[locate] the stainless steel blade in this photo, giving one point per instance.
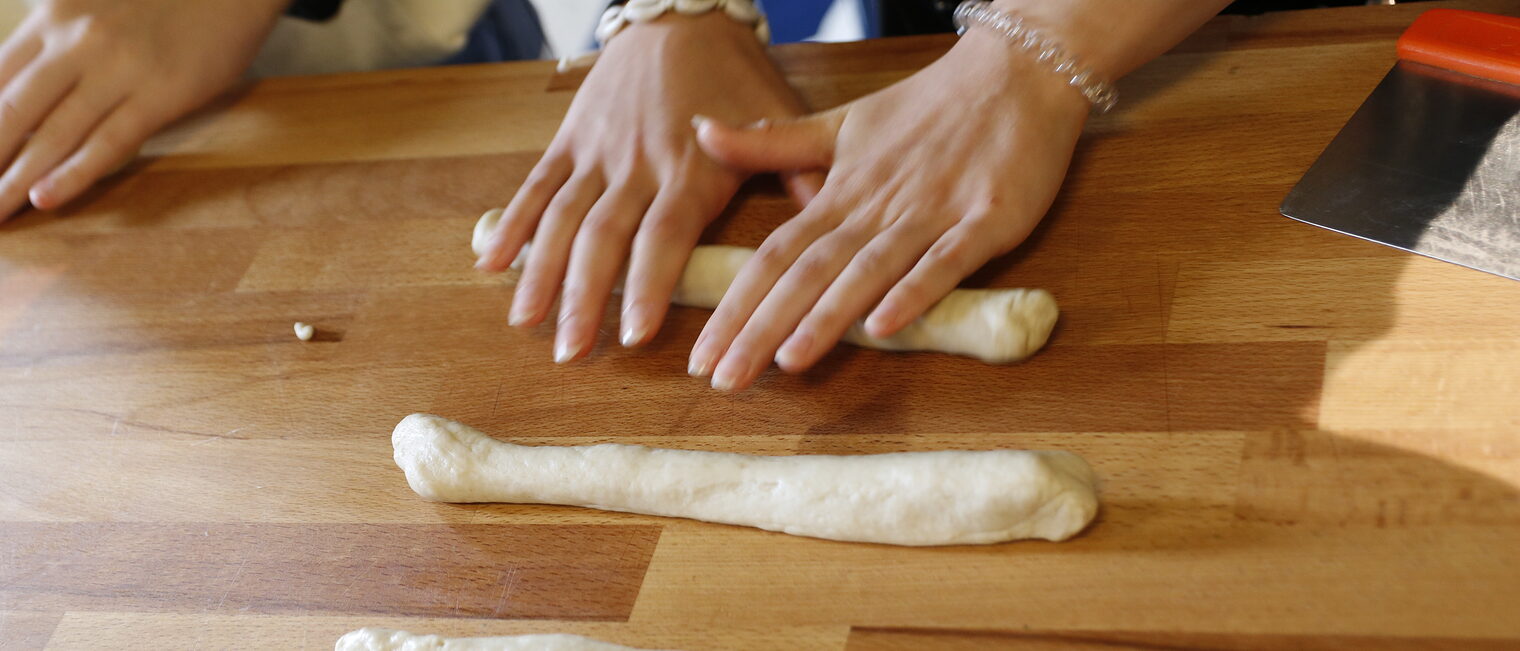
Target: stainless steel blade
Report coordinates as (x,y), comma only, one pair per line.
(1429,164)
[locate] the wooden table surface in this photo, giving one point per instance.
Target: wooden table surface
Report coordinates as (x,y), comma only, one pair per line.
(1305,440)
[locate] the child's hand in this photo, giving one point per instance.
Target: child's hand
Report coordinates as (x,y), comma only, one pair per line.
(84,82)
(624,179)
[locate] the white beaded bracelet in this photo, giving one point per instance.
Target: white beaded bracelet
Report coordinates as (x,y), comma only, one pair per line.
(1046,50)
(639,11)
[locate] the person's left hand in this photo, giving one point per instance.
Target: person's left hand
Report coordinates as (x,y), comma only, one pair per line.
(625,182)
(928,179)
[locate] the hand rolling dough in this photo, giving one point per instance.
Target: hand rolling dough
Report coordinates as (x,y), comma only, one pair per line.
(383,639)
(904,498)
(994,325)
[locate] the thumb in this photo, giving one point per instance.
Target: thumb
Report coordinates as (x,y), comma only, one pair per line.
(804,143)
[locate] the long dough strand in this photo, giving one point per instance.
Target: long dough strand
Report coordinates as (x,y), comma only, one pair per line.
(997,326)
(384,639)
(902,498)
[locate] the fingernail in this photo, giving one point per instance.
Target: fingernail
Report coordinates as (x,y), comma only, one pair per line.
(698,120)
(700,363)
(520,313)
(796,346)
(729,374)
(725,378)
(632,337)
(490,252)
(634,327)
(696,368)
(567,342)
(564,351)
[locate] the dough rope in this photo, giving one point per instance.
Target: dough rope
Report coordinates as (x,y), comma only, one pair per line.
(902,498)
(997,326)
(384,639)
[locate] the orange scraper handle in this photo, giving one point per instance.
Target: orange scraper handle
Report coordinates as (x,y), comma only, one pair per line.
(1469,42)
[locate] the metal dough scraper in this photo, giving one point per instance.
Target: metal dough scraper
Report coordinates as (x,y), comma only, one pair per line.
(1431,161)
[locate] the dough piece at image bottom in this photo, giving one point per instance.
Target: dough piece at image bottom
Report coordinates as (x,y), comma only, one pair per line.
(901,498)
(384,639)
(997,326)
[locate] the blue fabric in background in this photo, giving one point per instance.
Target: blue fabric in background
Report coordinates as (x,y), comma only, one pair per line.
(796,20)
(508,31)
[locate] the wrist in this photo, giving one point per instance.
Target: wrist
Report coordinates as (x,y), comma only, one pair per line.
(1113,38)
(999,68)
(1077,32)
(624,15)
(688,35)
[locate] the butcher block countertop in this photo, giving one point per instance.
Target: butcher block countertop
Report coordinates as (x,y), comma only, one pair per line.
(1305,440)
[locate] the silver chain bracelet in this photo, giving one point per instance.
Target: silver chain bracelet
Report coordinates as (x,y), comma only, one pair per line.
(1044,49)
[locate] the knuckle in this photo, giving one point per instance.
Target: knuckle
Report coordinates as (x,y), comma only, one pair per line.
(664,229)
(534,188)
(771,255)
(10,113)
(537,183)
(543,174)
(851,231)
(872,259)
(117,140)
(813,265)
(985,204)
(948,250)
(573,296)
(517,215)
(536,286)
(95,37)
(909,292)
(605,223)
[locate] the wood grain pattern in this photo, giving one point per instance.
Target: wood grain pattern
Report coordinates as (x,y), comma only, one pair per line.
(24,631)
(89,631)
(867,639)
(1306,441)
(465,570)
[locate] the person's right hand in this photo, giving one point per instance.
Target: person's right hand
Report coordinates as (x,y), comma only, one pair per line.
(84,82)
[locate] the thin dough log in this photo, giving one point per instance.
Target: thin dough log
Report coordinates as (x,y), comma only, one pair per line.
(996,326)
(384,639)
(903,498)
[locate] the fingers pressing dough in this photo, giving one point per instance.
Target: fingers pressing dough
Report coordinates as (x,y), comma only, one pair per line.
(996,326)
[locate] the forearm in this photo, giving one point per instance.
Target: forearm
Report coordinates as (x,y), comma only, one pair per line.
(1113,37)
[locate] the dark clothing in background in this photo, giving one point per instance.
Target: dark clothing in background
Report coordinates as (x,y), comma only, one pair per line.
(903,17)
(314,9)
(508,30)
(795,20)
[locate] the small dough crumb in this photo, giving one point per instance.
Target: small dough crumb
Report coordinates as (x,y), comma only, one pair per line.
(304,331)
